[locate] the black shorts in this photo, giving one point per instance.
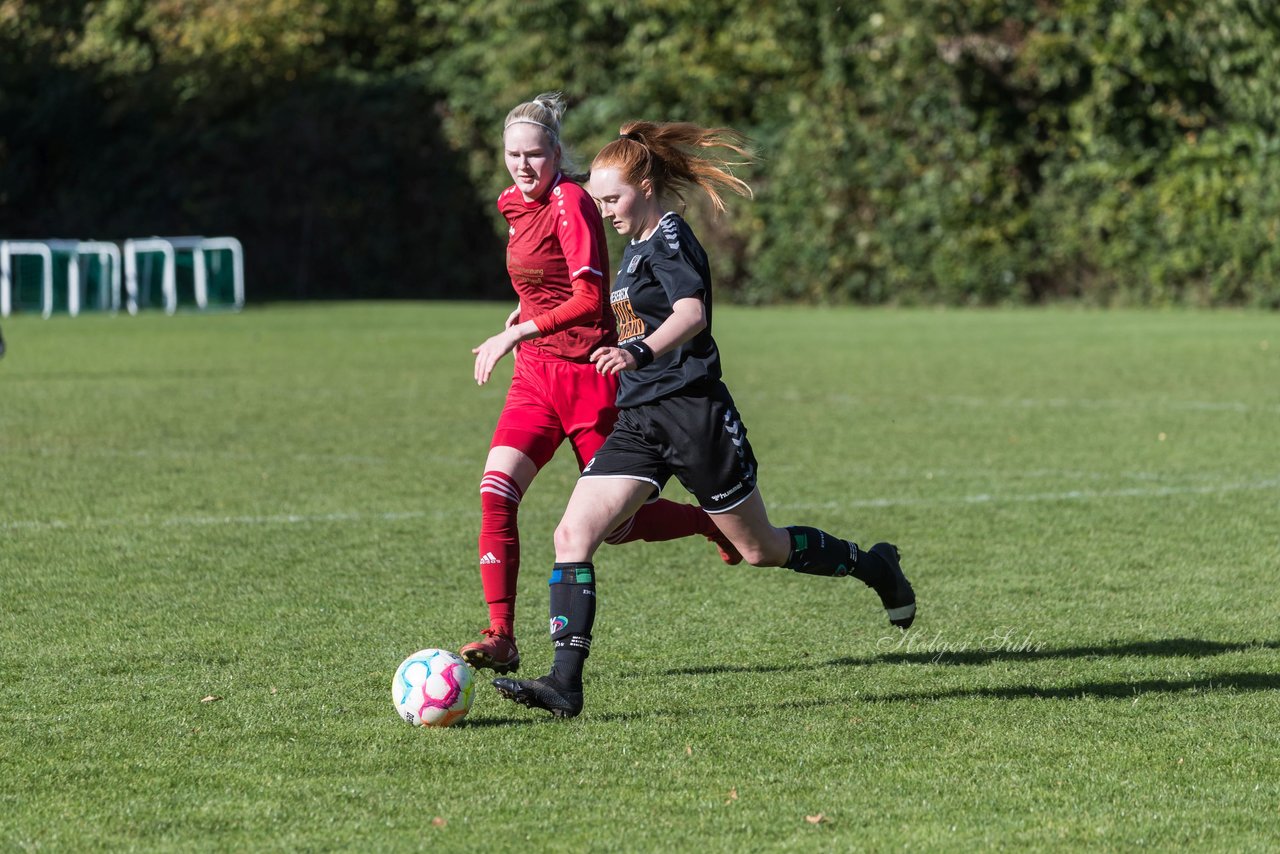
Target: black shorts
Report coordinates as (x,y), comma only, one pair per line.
(697,435)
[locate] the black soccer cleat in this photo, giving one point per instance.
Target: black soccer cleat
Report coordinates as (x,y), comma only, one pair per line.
(541,693)
(895,591)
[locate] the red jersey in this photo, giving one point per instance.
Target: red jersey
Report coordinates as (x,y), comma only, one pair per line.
(559,266)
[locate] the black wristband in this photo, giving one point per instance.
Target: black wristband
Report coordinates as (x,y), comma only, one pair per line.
(641,352)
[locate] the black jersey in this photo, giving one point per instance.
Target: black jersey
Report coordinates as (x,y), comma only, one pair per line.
(670,265)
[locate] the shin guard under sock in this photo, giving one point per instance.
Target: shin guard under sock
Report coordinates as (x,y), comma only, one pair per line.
(499,548)
(573,613)
(816,552)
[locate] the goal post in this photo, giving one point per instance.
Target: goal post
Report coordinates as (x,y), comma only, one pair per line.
(99,274)
(205,257)
(213,246)
(110,273)
(38,248)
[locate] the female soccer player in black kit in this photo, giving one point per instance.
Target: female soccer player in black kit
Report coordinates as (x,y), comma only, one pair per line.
(676,417)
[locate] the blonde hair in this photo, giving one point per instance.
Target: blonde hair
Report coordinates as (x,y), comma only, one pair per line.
(545,111)
(672,157)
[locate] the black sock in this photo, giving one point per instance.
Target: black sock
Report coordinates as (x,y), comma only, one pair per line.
(868,567)
(816,552)
(573,612)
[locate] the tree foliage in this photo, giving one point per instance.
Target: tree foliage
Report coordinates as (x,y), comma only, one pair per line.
(962,151)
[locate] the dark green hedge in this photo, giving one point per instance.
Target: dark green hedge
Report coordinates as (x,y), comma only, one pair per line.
(971,152)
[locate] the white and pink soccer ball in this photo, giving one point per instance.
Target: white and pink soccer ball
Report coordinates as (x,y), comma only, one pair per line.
(433,687)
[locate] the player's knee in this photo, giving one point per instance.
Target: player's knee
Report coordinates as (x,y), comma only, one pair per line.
(761,553)
(573,541)
(499,493)
(755,555)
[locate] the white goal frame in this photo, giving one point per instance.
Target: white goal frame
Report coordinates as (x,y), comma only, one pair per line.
(9,248)
(108,255)
(121,270)
(169,247)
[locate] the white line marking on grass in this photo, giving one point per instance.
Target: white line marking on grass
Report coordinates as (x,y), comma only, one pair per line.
(195,521)
(211,454)
(1093,403)
(326,518)
(1030,498)
(989,473)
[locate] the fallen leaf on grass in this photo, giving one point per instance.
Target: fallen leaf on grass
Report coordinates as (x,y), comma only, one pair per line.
(212,698)
(438,822)
(733,795)
(816,819)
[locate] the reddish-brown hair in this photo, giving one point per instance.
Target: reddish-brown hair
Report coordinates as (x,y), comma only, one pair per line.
(676,156)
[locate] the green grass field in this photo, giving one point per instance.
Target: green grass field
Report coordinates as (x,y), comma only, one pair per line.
(220,534)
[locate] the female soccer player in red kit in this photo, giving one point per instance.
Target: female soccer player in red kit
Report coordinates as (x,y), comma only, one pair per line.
(558,261)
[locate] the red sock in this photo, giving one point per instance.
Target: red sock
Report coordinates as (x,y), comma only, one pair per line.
(499,548)
(663,520)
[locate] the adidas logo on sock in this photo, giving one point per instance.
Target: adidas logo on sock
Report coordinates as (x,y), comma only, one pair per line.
(488,558)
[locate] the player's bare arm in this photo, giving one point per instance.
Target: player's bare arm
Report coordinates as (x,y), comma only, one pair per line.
(688,318)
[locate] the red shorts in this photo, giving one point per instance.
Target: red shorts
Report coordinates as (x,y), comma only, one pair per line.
(551,400)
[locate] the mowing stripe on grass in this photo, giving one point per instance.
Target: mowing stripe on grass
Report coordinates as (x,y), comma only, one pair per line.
(183,521)
(322,518)
(1069,495)
(210,454)
(1093,403)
